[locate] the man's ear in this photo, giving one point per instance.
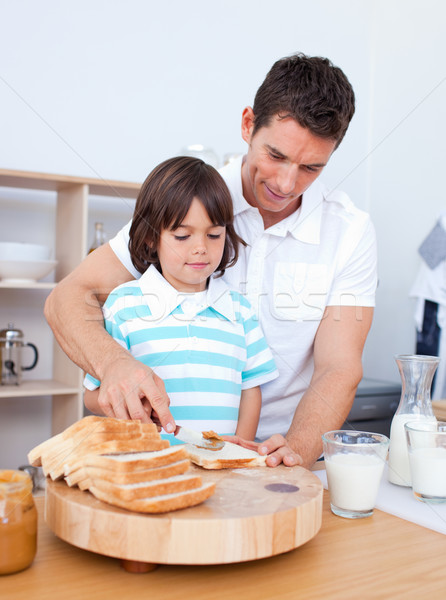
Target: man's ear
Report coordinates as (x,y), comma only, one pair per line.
(247,124)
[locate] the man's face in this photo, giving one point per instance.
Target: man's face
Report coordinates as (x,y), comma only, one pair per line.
(283,160)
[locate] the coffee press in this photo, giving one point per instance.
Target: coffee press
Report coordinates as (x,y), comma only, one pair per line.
(11,344)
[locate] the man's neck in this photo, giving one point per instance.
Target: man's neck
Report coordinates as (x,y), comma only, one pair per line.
(271,218)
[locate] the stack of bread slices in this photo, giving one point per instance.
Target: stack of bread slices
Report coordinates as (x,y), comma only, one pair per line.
(124,463)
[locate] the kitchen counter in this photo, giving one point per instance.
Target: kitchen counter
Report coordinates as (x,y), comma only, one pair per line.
(378,557)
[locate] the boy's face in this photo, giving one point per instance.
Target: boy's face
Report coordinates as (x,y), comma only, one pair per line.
(191,253)
(283,160)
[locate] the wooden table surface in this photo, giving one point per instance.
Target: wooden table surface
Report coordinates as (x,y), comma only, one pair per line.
(439,407)
(378,557)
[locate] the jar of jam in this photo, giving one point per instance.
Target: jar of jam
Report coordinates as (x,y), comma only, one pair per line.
(18,522)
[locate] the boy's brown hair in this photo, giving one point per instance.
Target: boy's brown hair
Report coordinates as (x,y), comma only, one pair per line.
(164,200)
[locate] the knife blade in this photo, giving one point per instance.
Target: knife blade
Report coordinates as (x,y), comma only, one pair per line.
(189,436)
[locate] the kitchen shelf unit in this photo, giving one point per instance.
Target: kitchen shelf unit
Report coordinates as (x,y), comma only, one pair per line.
(72,203)
(38,285)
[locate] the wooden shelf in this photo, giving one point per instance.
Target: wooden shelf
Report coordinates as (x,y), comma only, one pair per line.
(38,285)
(73,202)
(40,387)
(46,181)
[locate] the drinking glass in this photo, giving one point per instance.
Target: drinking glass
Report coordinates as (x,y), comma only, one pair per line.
(426,443)
(354,461)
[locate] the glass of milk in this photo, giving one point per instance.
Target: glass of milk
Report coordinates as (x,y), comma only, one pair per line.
(354,461)
(426,442)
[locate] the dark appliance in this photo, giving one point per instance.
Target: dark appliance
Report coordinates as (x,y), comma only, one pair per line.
(374,406)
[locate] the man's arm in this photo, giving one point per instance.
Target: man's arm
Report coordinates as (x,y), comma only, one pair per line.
(338,348)
(73,311)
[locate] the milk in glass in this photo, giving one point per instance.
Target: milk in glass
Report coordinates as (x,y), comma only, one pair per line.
(399,467)
(428,466)
(353,480)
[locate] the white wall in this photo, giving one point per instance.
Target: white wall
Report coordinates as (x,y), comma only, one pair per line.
(406,161)
(108,88)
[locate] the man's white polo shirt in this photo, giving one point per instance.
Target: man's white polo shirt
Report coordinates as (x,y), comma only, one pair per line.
(206,349)
(322,255)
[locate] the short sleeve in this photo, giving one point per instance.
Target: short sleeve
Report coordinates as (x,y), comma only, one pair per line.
(120,246)
(356,280)
(260,365)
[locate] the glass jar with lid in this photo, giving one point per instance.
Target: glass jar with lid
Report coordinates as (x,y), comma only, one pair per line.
(18,522)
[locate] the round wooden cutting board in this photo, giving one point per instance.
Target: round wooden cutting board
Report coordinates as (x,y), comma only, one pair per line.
(254,513)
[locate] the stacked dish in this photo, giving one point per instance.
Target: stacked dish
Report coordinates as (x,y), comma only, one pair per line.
(24,263)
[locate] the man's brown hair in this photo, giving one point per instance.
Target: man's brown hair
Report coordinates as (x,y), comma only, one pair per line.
(309,89)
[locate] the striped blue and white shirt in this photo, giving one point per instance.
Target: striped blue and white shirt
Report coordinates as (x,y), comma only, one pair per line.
(206,347)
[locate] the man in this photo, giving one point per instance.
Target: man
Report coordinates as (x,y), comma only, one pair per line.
(309,270)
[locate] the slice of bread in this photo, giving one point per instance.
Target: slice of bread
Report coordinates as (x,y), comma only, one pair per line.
(76,458)
(35,455)
(231,456)
(64,452)
(85,429)
(159,504)
(136,461)
(85,475)
(148,489)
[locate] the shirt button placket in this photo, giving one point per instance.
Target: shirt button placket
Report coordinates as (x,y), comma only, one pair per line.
(254,276)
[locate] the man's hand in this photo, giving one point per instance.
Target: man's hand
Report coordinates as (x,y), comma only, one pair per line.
(278,451)
(276,447)
(131,390)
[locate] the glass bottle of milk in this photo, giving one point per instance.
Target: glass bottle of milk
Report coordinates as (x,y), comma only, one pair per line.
(417,372)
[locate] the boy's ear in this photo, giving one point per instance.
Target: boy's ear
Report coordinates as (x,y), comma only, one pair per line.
(149,248)
(149,243)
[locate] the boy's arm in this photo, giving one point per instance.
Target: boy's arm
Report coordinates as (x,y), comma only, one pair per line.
(91,401)
(249,413)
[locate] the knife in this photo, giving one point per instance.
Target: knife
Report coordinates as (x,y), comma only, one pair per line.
(189,436)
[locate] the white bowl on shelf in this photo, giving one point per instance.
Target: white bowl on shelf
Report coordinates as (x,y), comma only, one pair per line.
(25,271)
(22,251)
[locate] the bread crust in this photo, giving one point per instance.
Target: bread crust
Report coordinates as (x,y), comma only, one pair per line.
(228,464)
(129,492)
(84,430)
(152,474)
(160,504)
(77,458)
(139,462)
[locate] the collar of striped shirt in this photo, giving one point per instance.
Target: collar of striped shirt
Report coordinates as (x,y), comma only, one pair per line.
(218,294)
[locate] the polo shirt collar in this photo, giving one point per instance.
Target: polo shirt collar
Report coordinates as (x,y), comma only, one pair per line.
(159,293)
(219,297)
(232,174)
(153,284)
